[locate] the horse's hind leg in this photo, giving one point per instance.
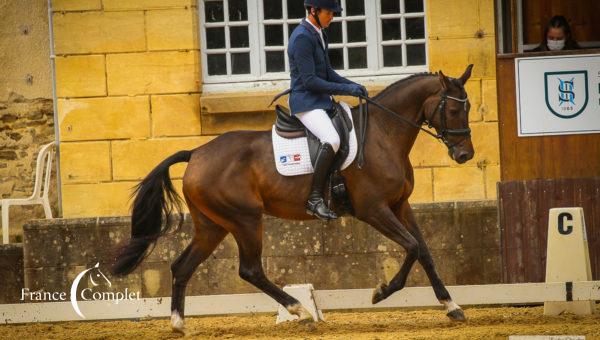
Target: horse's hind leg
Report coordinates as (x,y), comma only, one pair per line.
(206,238)
(248,236)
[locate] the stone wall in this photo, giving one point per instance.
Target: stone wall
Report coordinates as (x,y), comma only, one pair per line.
(25,125)
(11,272)
(25,46)
(26,118)
(463,238)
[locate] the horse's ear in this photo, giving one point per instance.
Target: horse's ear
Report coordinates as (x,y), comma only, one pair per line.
(463,79)
(444,80)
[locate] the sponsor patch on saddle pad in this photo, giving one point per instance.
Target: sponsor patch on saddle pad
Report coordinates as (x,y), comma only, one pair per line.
(292,157)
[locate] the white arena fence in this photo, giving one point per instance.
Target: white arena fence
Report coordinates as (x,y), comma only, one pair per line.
(493,294)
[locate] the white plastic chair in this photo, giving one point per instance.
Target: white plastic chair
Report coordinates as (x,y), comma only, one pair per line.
(39,196)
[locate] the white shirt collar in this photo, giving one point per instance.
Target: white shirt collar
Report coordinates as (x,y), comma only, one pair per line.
(313,25)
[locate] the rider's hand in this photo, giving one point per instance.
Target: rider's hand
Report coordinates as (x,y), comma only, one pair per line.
(356,90)
(365,93)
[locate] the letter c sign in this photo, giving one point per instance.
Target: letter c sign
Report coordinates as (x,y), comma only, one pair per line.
(564,227)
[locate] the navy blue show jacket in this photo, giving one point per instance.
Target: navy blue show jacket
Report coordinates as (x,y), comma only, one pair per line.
(313,80)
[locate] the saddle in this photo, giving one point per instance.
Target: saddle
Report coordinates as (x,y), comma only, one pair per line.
(289,127)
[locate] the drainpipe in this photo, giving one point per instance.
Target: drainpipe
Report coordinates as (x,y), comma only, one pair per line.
(55,108)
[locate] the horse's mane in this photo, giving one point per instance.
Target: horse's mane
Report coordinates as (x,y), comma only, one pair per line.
(402,82)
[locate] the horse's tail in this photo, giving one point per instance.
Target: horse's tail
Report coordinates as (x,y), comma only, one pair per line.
(155,202)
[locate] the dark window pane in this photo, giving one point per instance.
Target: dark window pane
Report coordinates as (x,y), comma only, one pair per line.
(217,65)
(391,29)
(355,7)
(415,54)
(390,6)
(215,37)
(334,32)
(213,10)
(296,9)
(412,6)
(240,63)
(336,58)
(274,35)
(275,61)
(238,36)
(356,31)
(238,11)
(415,28)
(357,57)
(392,55)
(291,28)
(272,9)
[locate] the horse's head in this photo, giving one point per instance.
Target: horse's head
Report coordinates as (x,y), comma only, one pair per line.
(447,111)
(97,277)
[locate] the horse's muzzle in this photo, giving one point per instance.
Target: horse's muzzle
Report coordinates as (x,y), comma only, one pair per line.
(459,155)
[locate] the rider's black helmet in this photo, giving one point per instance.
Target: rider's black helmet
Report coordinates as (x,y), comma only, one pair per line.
(331,5)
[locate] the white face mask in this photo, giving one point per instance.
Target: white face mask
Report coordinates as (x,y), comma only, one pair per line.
(555,45)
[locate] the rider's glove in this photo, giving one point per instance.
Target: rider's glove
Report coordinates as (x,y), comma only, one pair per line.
(356,90)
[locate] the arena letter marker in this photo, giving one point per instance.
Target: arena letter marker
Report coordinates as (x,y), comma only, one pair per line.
(567,258)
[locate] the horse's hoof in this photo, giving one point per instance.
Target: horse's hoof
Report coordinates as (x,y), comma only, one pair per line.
(310,324)
(177,323)
(457,315)
(303,315)
(378,293)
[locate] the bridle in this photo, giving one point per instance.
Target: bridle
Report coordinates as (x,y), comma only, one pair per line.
(444,131)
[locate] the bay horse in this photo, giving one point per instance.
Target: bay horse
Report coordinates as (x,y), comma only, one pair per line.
(230,182)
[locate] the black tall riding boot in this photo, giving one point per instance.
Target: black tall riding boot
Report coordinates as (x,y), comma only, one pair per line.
(316,203)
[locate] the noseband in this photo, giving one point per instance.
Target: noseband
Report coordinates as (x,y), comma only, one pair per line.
(444,131)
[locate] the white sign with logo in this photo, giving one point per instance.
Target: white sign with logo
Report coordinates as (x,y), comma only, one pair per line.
(558,95)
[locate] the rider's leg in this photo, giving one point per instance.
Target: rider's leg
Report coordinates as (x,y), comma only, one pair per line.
(319,123)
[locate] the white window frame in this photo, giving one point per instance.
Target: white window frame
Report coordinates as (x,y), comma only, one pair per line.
(259,79)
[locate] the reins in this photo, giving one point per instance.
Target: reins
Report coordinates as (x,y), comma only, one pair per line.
(440,108)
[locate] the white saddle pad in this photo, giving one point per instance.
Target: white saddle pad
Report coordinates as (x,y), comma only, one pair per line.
(292,157)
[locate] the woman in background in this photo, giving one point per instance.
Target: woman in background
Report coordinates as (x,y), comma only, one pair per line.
(557,36)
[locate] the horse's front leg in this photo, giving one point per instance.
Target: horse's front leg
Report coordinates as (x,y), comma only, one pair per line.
(400,226)
(386,222)
(454,312)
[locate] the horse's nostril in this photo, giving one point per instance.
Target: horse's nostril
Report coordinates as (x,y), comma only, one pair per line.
(462,157)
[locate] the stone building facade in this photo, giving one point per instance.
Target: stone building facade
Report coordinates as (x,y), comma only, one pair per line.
(26,114)
(130,93)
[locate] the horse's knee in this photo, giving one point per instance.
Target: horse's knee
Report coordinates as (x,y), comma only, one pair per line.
(413,250)
(250,274)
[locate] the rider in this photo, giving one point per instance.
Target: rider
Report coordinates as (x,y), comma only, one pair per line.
(313,81)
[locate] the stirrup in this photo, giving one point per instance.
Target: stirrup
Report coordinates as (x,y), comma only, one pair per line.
(320,210)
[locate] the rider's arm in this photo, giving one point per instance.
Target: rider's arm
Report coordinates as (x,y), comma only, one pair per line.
(336,78)
(305,62)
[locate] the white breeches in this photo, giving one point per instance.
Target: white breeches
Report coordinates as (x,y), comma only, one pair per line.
(318,122)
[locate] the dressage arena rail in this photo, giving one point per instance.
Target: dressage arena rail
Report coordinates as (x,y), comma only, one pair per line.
(503,294)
